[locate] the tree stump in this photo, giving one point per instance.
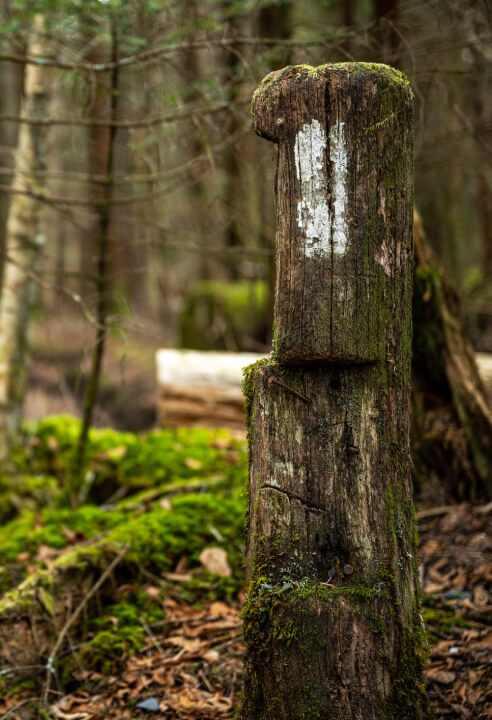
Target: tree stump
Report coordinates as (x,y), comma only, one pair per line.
(332,620)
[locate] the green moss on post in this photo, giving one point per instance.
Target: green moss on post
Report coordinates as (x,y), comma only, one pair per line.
(332,620)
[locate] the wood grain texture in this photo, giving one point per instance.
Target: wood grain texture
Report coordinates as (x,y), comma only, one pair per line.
(332,620)
(331,303)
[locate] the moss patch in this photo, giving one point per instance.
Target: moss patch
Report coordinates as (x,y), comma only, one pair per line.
(218,315)
(118,464)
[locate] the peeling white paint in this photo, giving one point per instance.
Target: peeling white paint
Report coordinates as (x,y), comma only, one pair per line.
(313,214)
(338,156)
(320,227)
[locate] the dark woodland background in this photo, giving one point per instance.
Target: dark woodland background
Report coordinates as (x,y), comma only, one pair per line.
(137,213)
(161,146)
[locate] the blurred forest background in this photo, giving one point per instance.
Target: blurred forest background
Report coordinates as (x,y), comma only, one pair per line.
(137,212)
(139,203)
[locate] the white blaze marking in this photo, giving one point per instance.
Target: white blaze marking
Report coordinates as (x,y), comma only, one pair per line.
(313,214)
(321,229)
(338,156)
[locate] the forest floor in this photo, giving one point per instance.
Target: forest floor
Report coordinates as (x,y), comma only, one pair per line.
(164,639)
(192,668)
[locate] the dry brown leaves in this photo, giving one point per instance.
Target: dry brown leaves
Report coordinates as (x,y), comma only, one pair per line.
(455,552)
(192,668)
(192,664)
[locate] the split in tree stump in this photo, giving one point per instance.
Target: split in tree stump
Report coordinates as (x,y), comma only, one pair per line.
(332,621)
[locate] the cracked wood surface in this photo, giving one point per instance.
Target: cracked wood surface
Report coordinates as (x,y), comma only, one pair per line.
(343,204)
(332,621)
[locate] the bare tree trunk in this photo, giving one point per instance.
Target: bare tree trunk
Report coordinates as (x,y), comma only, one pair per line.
(273,21)
(387,14)
(23,246)
(232,167)
(98,141)
(332,621)
(481,87)
(193,68)
(11,80)
(57,227)
(102,207)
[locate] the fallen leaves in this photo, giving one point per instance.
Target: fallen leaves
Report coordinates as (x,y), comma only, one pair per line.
(456,573)
(214,560)
(191,671)
(191,665)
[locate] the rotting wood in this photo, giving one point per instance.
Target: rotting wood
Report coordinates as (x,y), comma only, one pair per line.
(332,620)
(201,388)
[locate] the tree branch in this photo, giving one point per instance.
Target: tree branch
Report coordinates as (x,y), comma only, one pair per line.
(149,122)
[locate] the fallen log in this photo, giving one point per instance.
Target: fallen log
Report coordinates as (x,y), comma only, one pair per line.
(201,388)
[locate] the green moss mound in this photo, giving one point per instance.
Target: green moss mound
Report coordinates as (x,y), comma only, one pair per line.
(119,465)
(224,316)
(164,497)
(131,480)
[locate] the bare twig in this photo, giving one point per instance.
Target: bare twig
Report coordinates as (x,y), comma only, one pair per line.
(71,620)
(159,119)
(157,53)
(151,635)
(435,511)
(18,706)
(56,201)
(282,384)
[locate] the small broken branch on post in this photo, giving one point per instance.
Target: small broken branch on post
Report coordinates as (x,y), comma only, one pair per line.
(332,620)
(282,384)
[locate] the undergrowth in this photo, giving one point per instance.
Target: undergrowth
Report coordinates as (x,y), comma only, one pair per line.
(118,464)
(166,495)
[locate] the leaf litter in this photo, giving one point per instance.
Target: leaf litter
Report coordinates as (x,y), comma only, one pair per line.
(456,575)
(190,667)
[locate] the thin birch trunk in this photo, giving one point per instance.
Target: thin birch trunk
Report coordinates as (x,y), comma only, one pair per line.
(232,166)
(23,246)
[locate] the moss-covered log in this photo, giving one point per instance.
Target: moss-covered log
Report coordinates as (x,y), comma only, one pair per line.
(332,621)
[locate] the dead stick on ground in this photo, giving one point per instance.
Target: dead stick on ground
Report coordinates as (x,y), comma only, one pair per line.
(151,635)
(52,658)
(434,512)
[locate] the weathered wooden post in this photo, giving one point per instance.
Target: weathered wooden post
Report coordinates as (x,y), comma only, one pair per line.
(332,619)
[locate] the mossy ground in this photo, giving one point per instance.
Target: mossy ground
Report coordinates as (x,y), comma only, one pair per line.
(167,495)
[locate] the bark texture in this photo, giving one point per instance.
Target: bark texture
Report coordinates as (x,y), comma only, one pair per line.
(336,182)
(332,621)
(451,413)
(23,245)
